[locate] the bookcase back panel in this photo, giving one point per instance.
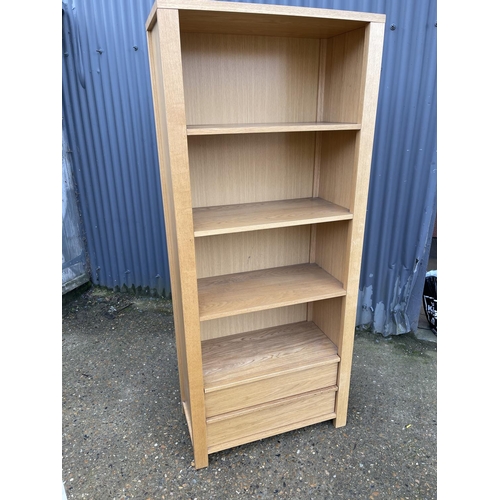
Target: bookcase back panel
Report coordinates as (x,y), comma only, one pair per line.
(240,323)
(231,169)
(328,315)
(253,250)
(249,79)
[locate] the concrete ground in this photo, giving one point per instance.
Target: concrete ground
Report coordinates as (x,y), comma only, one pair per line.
(124,435)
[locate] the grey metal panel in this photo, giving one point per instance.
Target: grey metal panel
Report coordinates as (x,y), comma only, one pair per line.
(107,107)
(114,149)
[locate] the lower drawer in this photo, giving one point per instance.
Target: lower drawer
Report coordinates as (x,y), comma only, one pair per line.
(279,386)
(269,419)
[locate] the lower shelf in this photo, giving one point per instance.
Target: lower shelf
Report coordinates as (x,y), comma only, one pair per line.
(269,419)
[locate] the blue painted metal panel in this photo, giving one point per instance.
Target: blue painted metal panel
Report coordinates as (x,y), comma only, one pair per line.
(108,113)
(109,116)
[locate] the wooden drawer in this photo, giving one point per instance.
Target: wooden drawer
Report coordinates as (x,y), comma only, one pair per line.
(269,419)
(280,386)
(257,367)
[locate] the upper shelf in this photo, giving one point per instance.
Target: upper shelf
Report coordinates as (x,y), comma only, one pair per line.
(260,128)
(226,219)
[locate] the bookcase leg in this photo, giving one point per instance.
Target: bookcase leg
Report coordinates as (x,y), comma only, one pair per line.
(200,459)
(339,423)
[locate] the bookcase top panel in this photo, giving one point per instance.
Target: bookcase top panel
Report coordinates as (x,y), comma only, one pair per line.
(208,16)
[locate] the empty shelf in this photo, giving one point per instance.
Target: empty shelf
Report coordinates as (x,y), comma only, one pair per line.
(265,215)
(260,128)
(227,295)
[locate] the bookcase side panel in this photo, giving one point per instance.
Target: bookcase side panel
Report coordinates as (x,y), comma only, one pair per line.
(331,248)
(344,66)
(168,209)
(370,78)
(175,120)
(329,317)
(337,164)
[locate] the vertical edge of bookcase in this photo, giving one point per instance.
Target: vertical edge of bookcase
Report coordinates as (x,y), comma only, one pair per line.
(372,60)
(168,95)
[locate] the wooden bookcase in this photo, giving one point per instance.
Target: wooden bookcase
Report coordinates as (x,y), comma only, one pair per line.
(265,119)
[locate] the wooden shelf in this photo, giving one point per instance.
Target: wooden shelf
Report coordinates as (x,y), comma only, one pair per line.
(221,296)
(260,128)
(265,215)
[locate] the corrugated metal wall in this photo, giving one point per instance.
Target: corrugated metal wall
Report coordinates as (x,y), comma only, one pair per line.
(109,118)
(108,114)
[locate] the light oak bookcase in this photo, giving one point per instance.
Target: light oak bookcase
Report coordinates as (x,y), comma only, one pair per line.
(265,119)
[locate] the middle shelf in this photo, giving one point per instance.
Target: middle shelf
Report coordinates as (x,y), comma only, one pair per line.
(259,128)
(265,215)
(231,294)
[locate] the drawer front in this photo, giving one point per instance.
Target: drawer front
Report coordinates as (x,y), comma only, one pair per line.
(283,385)
(269,419)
